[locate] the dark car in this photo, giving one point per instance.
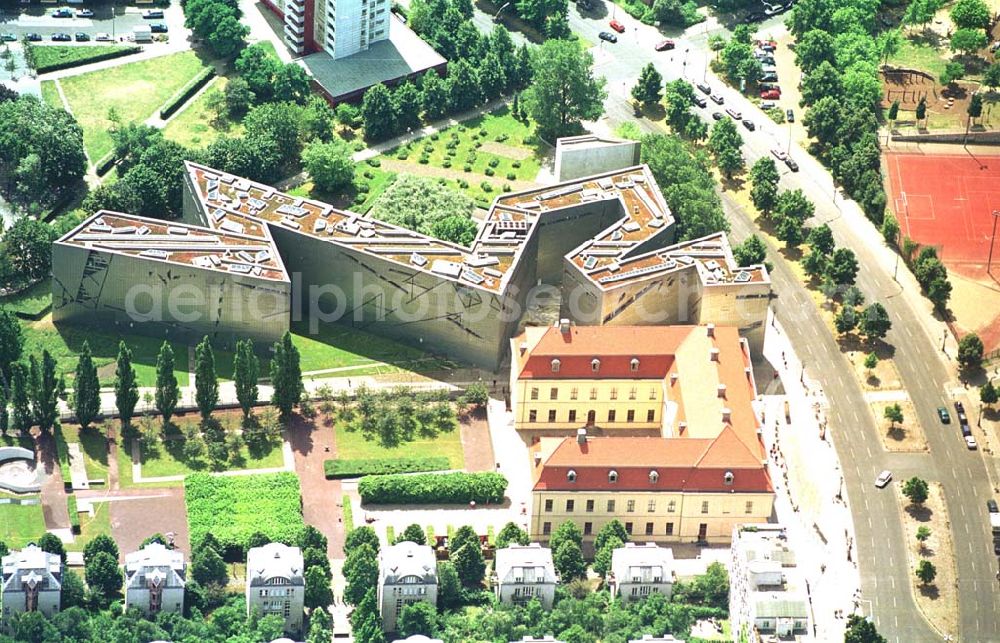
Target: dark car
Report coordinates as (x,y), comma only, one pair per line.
(717,116)
(33,37)
(959,407)
(81,37)
(747,123)
(664,45)
(769,77)
(61,37)
(789,115)
(996,547)
(991,506)
(792,165)
(703,88)
(152,13)
(62,13)
(699,101)
(158,27)
(753,16)
(607,35)
(944,416)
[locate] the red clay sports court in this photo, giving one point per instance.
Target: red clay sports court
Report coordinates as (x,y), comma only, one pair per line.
(946,201)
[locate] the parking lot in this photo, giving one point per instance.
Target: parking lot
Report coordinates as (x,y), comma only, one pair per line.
(116,21)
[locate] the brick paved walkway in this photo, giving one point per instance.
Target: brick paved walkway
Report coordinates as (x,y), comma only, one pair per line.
(476,443)
(53,489)
(320,497)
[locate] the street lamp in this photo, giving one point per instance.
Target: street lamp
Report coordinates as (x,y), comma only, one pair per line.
(993,237)
(502,7)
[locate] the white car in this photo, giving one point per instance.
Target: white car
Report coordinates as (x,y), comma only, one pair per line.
(971,442)
(103,37)
(883,479)
(779,154)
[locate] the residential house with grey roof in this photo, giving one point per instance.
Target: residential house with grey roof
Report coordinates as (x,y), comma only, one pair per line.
(155,578)
(524,572)
(32,582)
(276,583)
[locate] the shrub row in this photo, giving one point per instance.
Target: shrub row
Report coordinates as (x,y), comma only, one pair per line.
(233,508)
(348,511)
(74,514)
(433,488)
(186,92)
(48,58)
(381,466)
(105,163)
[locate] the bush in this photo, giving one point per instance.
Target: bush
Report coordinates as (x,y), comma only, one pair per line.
(374,162)
(466,168)
(105,163)
(483,133)
(462,183)
(232,508)
(446,163)
(371,466)
(435,136)
(506,187)
(424,159)
(485,186)
(494,162)
(511,176)
(433,488)
(74,514)
(489,171)
(368,174)
(183,94)
(363,188)
(348,514)
(402,155)
(516,164)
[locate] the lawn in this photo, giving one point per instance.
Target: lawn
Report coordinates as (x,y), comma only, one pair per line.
(50,94)
(65,341)
(353,445)
(135,91)
(917,53)
(195,125)
(91,527)
(74,55)
(94,445)
(31,302)
(369,183)
(21,524)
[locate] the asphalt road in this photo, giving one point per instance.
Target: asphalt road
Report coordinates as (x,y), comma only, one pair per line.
(884,568)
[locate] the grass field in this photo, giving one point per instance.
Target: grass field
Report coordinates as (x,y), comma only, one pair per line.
(65,341)
(166,457)
(31,302)
(94,445)
(91,527)
(369,183)
(194,126)
(50,94)
(74,55)
(21,524)
(353,445)
(919,54)
(135,90)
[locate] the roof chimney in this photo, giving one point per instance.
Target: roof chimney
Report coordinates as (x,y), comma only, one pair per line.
(710,329)
(727,414)
(564,326)
(523,347)
(581,436)
(713,354)
(722,390)
(538,459)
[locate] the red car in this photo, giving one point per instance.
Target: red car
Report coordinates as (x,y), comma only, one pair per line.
(664,45)
(770,94)
(617,26)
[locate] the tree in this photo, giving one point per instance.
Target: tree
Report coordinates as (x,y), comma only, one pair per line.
(790,231)
(28,246)
(320,627)
(921,111)
(968,41)
(258,66)
(875,322)
(101,542)
(846,320)
(291,84)
(413,533)
(207,566)
(648,88)
(843,268)
(434,95)
(286,376)
(854,297)
(86,388)
(424,205)
(21,418)
(360,572)
(329,164)
(894,413)
(725,142)
(926,571)
(604,554)
(971,14)
(317,593)
(751,252)
(50,543)
(988,394)
(893,111)
(464,85)
(953,71)
(246,369)
(566,532)
(815,47)
(794,204)
(11,342)
(280,123)
(511,534)
(466,553)
(975,109)
(889,43)
(970,351)
(991,77)
(361,536)
(764,179)
(564,90)
(923,533)
(206,381)
(568,561)
(44,389)
(859,628)
(890,229)
(4,417)
(237,98)
(417,618)
(167,389)
(102,573)
(871,361)
(126,388)
(916,490)
(449,586)
(228,37)
(72,593)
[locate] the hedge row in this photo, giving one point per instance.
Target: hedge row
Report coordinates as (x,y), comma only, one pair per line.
(53,58)
(382,466)
(186,92)
(105,163)
(74,513)
(233,508)
(433,488)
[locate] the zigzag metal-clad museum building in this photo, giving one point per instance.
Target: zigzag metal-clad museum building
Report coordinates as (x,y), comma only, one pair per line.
(248,261)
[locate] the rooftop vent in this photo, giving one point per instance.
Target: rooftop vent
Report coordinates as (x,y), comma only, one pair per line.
(713,354)
(710,329)
(564,326)
(581,436)
(727,414)
(721,390)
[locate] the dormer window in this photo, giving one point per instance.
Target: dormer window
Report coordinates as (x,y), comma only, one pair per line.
(595,365)
(612,476)
(728,478)
(654,477)
(634,365)
(555,365)
(571,475)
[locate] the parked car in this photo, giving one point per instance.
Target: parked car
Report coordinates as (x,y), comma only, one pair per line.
(61,37)
(81,37)
(699,101)
(883,479)
(8,37)
(753,16)
(789,115)
(703,88)
(33,37)
(614,24)
(103,37)
(664,45)
(717,115)
(62,13)
(970,442)
(717,99)
(779,154)
(736,114)
(966,430)
(768,104)
(960,407)
(84,13)
(943,415)
(769,77)
(747,123)
(991,506)
(158,27)
(792,165)
(607,35)
(770,94)
(149,14)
